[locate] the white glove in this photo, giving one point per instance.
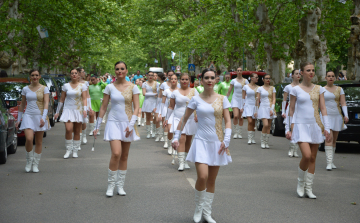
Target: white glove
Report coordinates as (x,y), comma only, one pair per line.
(176,136)
(45,112)
(283,107)
(98,123)
(344,109)
(288,124)
(227,137)
(60,105)
(150,94)
(88,101)
(272,107)
(326,123)
(20,114)
(132,122)
(256,109)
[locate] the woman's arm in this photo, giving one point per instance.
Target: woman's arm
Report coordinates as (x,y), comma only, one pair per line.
(144,91)
(172,103)
(344,108)
(229,91)
(21,110)
(325,118)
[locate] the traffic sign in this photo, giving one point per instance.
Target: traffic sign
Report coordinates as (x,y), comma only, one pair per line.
(173,67)
(191,67)
(178,68)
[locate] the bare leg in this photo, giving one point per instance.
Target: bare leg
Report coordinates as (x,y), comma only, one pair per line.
(202,171)
(188,143)
(269,126)
(212,174)
(115,155)
(69,127)
(251,124)
(265,125)
(124,155)
(182,142)
(236,116)
(38,141)
(29,136)
(148,118)
(309,152)
(77,130)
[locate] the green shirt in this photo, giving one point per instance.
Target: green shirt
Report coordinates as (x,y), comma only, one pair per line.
(216,87)
(96,90)
(200,89)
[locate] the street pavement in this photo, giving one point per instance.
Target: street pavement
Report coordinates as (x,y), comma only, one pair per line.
(259,186)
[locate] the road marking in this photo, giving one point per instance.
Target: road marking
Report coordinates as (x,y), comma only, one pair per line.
(192,182)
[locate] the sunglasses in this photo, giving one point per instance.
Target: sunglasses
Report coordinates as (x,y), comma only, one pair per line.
(207,78)
(120,69)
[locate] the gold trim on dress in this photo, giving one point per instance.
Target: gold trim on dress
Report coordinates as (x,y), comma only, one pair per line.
(128,96)
(270,96)
(218,113)
(40,101)
(315,97)
(337,100)
(154,87)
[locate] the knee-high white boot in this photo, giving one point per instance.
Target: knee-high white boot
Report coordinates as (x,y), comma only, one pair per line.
(36,162)
(166,140)
(301,182)
(120,182)
(143,121)
(236,132)
(199,203)
(239,132)
(92,126)
(152,125)
(148,131)
(139,121)
(181,159)
(84,140)
(185,162)
(332,163)
(249,137)
(209,197)
(76,146)
(157,139)
(253,137)
(170,148)
(69,148)
(267,141)
(308,185)
(29,160)
(263,138)
(296,147)
(81,137)
(329,156)
(161,132)
(291,150)
(111,183)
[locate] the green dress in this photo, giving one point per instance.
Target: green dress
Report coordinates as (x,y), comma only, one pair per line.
(96,94)
(141,96)
(200,89)
(216,87)
(223,90)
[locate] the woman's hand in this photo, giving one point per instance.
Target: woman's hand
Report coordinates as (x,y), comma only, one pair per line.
(283,115)
(328,137)
(288,135)
(95,132)
(56,116)
(165,124)
(128,133)
(175,144)
(42,123)
(195,118)
(17,125)
(271,113)
(241,110)
(346,120)
(222,149)
(84,114)
(255,115)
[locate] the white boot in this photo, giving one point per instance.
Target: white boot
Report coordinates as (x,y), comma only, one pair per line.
(239,132)
(69,148)
(84,140)
(166,140)
(308,185)
(92,126)
(81,137)
(209,197)
(139,121)
(157,139)
(296,147)
(153,130)
(148,131)
(249,137)
(181,159)
(120,182)
(267,141)
(236,132)
(111,183)
(199,202)
(263,138)
(186,163)
(76,147)
(332,163)
(143,122)
(29,160)
(253,137)
(291,150)
(301,182)
(36,162)
(170,149)
(161,132)
(329,155)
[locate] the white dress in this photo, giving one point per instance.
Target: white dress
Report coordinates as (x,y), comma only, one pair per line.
(209,134)
(34,109)
(266,98)
(167,93)
(332,103)
(236,101)
(158,101)
(181,102)
(250,101)
(150,99)
(164,86)
(73,106)
(120,114)
(306,119)
(287,89)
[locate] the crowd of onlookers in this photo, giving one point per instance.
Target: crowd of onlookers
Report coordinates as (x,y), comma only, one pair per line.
(341,77)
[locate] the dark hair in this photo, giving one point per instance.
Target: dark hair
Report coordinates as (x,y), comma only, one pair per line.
(329,72)
(253,74)
(173,75)
(206,70)
(342,75)
(149,72)
(304,64)
(170,71)
(3,73)
(218,72)
(73,69)
(293,72)
(94,75)
(33,70)
(267,75)
(119,62)
(227,73)
(78,70)
(184,74)
(161,76)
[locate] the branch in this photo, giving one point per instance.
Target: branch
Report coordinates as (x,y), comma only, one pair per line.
(344,27)
(279,8)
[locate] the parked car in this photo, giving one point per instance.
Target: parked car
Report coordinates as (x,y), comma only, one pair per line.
(54,89)
(61,80)
(279,126)
(10,89)
(8,135)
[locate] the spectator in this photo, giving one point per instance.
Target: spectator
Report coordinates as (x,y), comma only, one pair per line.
(288,79)
(3,73)
(341,77)
(137,76)
(127,78)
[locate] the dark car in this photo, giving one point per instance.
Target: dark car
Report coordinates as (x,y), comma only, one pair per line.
(8,136)
(278,125)
(61,80)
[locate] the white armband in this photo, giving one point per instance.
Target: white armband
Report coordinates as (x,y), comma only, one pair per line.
(326,123)
(132,122)
(227,137)
(45,112)
(283,107)
(176,136)
(288,124)
(345,111)
(20,114)
(272,107)
(256,109)
(85,108)
(60,105)
(88,101)
(98,123)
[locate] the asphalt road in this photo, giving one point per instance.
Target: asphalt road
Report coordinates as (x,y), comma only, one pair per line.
(259,186)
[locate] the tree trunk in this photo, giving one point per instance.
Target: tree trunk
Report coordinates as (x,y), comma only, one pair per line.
(250,56)
(355,38)
(350,65)
(322,61)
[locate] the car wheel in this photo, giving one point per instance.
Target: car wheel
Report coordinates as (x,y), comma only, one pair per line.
(258,124)
(52,122)
(276,131)
(13,147)
(3,156)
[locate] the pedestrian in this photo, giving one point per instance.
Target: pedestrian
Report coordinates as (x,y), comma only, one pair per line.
(305,126)
(149,89)
(217,83)
(295,75)
(169,117)
(96,94)
(158,118)
(120,129)
(249,106)
(288,78)
(334,99)
(265,112)
(3,73)
(141,100)
(224,88)
(196,84)
(137,76)
(209,149)
(82,79)
(236,86)
(73,98)
(178,102)
(199,87)
(35,120)
(341,77)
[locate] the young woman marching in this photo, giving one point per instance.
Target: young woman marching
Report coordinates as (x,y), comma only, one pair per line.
(334,98)
(119,130)
(249,106)
(236,103)
(224,88)
(74,95)
(96,94)
(149,89)
(34,120)
(209,149)
(159,133)
(265,94)
(305,127)
(178,102)
(82,79)
(285,112)
(169,117)
(138,83)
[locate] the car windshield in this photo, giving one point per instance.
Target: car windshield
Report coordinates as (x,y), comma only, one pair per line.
(352,93)
(48,82)
(12,91)
(60,81)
